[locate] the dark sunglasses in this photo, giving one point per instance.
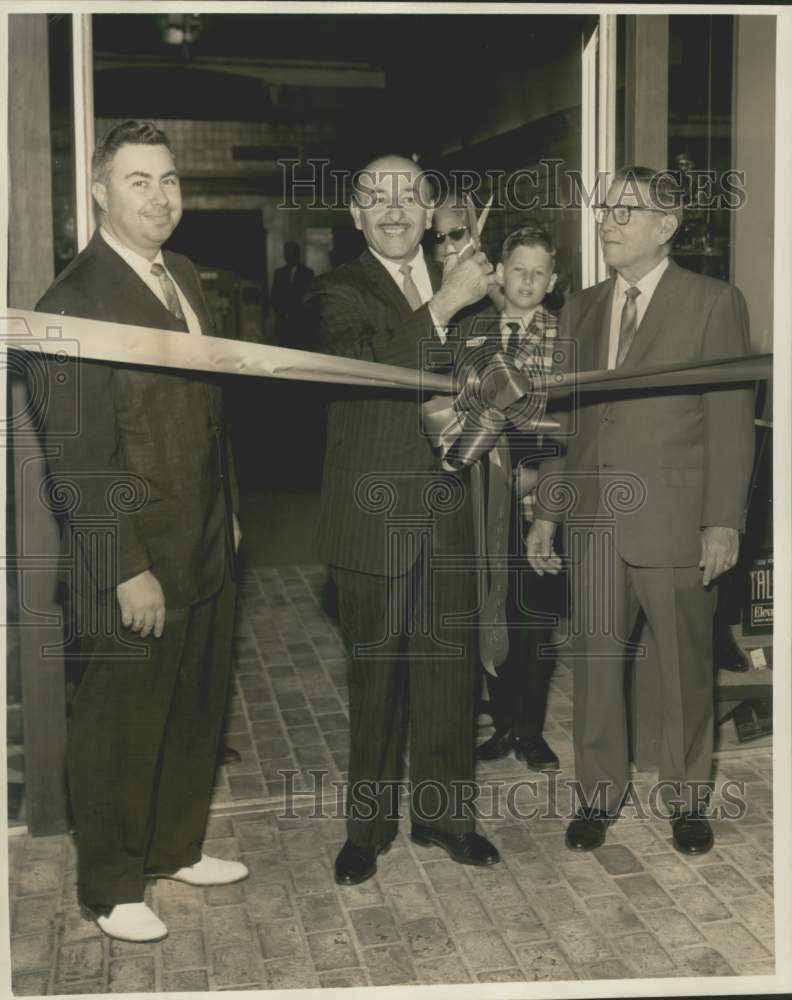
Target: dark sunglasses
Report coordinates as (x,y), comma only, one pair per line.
(455,234)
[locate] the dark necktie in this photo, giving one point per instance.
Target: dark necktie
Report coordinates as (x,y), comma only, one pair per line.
(410,289)
(628,324)
(168,290)
(513,343)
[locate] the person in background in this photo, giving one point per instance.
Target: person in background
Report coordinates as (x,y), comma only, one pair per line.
(289,285)
(449,237)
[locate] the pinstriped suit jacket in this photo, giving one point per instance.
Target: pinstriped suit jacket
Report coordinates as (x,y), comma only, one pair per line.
(374,436)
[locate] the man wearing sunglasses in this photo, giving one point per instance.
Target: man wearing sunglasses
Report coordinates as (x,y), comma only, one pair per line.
(665,474)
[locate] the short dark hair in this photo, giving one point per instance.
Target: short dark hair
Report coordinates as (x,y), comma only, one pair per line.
(529,235)
(132,132)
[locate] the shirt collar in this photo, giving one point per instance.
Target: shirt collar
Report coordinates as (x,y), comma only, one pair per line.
(141,265)
(524,325)
(647,284)
(393,266)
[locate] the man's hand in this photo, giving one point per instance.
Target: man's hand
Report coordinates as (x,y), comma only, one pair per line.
(719,550)
(539,548)
(237,534)
(464,281)
(142,604)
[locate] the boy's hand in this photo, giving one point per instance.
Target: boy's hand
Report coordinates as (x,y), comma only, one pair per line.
(539,548)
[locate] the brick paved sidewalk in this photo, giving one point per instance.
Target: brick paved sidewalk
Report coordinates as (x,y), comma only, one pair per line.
(635,908)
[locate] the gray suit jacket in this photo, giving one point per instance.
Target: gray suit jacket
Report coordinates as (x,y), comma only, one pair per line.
(685,453)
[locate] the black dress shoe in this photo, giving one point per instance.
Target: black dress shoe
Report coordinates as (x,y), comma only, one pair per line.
(228,755)
(497,746)
(587,830)
(536,754)
(466,848)
(691,834)
(357,864)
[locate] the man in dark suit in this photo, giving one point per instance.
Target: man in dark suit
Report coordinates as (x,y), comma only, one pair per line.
(387,509)
(152,458)
(289,285)
(665,474)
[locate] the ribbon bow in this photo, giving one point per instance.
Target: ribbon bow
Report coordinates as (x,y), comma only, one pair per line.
(494,390)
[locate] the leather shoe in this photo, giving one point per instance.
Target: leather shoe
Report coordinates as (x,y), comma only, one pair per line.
(208,871)
(587,830)
(357,864)
(691,834)
(130,922)
(466,848)
(497,746)
(228,755)
(536,754)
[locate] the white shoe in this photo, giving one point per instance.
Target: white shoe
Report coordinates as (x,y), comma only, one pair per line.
(210,871)
(132,922)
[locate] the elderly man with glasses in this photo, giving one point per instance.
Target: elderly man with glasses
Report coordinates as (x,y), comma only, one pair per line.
(661,479)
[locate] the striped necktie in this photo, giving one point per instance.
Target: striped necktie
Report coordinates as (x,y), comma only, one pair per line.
(628,325)
(168,290)
(410,289)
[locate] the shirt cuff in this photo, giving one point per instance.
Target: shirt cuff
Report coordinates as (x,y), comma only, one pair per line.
(441,331)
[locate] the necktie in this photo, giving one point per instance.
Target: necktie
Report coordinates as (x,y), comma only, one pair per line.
(410,289)
(513,343)
(628,324)
(168,290)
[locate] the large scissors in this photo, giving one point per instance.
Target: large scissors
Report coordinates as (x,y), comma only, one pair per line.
(475,227)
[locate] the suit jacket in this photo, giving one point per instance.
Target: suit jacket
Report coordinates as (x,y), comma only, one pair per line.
(692,450)
(375,435)
(160,431)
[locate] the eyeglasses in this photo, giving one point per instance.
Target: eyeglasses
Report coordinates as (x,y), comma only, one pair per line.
(621,213)
(455,234)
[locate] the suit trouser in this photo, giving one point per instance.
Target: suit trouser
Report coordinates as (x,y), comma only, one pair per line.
(402,673)
(518,695)
(142,748)
(679,611)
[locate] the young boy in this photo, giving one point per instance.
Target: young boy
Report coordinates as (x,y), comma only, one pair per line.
(526,330)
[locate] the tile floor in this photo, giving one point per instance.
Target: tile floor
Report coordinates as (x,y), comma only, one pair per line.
(634,908)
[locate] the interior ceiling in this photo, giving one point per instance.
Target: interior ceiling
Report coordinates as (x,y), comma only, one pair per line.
(409,58)
(382,40)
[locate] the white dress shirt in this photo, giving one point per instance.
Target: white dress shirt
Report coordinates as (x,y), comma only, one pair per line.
(419,275)
(142,269)
(647,285)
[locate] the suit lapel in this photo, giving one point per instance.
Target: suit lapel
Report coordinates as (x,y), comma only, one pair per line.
(383,285)
(188,284)
(129,287)
(655,316)
(597,328)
